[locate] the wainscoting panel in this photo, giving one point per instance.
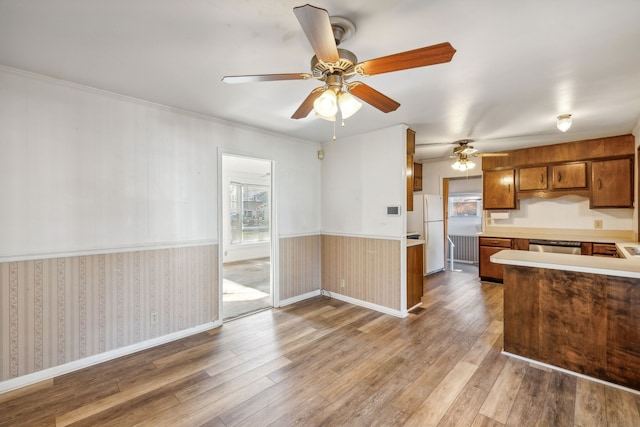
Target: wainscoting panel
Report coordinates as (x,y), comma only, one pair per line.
(369,267)
(299,266)
(57,310)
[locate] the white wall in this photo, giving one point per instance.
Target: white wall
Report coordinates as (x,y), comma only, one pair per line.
(567,212)
(82,169)
(361,176)
(434,171)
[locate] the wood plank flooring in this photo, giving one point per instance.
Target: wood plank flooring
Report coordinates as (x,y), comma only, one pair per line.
(325,362)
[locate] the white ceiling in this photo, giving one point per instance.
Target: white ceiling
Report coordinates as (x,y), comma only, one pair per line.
(518,63)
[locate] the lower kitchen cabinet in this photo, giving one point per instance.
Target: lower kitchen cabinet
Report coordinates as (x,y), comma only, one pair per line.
(415,274)
(489,246)
(599,249)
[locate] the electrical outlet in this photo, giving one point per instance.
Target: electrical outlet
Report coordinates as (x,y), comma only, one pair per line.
(342,283)
(597,223)
(154,318)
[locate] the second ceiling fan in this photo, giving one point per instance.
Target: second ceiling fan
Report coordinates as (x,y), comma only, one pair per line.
(335,67)
(464,151)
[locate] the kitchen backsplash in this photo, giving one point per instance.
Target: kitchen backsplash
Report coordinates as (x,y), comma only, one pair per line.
(567,212)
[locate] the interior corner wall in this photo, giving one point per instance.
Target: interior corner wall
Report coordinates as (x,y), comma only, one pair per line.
(361,176)
(110,214)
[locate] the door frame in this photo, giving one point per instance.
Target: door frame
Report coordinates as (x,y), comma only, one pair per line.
(274,259)
(445,201)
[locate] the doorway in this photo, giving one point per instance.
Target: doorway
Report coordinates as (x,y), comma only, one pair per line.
(463,218)
(247,272)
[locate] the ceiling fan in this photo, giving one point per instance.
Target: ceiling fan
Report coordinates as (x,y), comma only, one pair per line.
(464,151)
(335,67)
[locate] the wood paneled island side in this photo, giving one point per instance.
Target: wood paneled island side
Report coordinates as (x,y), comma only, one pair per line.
(583,321)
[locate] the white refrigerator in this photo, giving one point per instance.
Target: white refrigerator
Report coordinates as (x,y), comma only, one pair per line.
(427,219)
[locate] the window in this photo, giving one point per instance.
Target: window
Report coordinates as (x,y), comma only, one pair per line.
(465,206)
(249,211)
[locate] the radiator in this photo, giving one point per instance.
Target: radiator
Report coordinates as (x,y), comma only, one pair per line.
(466,249)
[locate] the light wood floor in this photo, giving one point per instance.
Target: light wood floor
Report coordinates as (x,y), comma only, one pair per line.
(325,362)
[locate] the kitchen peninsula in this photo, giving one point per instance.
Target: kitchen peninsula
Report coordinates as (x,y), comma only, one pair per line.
(579,313)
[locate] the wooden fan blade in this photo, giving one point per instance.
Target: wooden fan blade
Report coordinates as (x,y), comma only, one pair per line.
(430,55)
(307,105)
(317,26)
(265,78)
(373,97)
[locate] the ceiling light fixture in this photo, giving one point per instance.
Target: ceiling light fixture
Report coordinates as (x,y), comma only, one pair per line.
(335,100)
(329,103)
(463,163)
(564,122)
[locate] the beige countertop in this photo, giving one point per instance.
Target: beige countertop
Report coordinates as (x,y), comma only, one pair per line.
(414,242)
(623,267)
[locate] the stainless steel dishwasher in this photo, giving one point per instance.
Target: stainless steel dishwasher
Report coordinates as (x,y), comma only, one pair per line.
(555,246)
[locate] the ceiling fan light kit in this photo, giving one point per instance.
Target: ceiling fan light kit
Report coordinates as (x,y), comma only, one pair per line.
(563,122)
(349,105)
(463,164)
(327,104)
(462,153)
(334,66)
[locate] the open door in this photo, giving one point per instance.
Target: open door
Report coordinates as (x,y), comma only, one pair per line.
(247,272)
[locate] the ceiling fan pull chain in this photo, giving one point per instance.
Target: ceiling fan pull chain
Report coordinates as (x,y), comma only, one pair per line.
(334,130)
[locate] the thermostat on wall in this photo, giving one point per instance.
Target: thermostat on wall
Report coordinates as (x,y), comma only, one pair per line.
(393,210)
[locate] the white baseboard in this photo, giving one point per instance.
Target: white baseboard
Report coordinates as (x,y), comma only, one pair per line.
(45,374)
(350,300)
(566,371)
(299,298)
(370,305)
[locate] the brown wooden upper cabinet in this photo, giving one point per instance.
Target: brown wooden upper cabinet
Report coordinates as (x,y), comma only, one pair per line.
(417,177)
(498,190)
(569,175)
(411,151)
(534,178)
(612,183)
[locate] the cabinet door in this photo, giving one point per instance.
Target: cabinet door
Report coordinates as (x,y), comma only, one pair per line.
(488,269)
(498,190)
(532,178)
(521,244)
(411,149)
(409,188)
(411,142)
(605,249)
(417,177)
(570,175)
(612,184)
(415,275)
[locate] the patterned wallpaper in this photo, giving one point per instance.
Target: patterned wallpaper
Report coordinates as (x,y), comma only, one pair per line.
(57,310)
(299,265)
(367,269)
